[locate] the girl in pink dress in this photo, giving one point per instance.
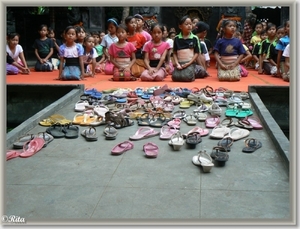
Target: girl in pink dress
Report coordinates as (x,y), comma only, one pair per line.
(155,55)
(122,54)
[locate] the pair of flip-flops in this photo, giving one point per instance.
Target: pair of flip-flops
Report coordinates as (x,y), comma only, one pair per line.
(68,131)
(30,148)
(19,144)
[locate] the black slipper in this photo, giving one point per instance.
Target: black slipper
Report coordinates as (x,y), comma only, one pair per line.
(56,131)
(225,143)
(192,139)
(71,131)
(252,144)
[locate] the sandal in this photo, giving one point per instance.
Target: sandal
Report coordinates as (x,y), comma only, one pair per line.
(227,122)
(238,133)
(190,120)
(192,139)
(120,121)
(144,119)
(202,132)
(220,155)
(179,114)
(158,120)
(110,132)
(219,132)
(225,143)
(166,132)
(122,147)
(244,124)
(150,149)
(90,134)
(144,132)
(204,160)
(252,144)
(176,141)
(255,122)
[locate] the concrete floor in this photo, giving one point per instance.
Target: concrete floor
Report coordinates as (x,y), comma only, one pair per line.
(72,179)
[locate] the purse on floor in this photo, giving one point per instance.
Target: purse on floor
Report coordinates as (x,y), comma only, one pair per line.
(122,75)
(229,75)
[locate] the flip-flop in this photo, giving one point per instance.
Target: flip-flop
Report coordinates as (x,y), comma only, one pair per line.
(10,154)
(175,123)
(158,120)
(238,133)
(32,147)
(47,138)
(56,131)
(122,147)
(244,124)
(100,110)
(179,114)
(219,132)
(244,113)
(80,105)
(144,120)
(167,131)
(186,104)
(226,143)
(144,132)
(150,149)
(176,141)
(212,122)
(254,121)
(192,139)
(71,131)
(220,155)
(202,132)
(204,160)
(110,132)
(252,144)
(90,134)
(190,120)
(22,140)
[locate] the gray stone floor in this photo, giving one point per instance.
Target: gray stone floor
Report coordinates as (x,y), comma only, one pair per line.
(72,179)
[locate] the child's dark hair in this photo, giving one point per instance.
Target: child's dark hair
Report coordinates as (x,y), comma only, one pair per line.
(69,28)
(113,21)
(195,18)
(11,36)
(123,26)
(42,26)
(183,19)
(95,33)
(78,29)
(259,23)
(225,22)
(87,37)
(263,32)
(286,23)
(50,29)
(280,27)
(270,25)
(128,19)
(157,25)
(170,33)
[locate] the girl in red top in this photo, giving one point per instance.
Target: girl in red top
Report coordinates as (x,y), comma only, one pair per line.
(137,39)
(155,54)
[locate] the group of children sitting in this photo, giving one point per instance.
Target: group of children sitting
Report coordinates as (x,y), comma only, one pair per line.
(129,52)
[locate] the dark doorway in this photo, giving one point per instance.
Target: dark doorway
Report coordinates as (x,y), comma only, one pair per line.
(270,14)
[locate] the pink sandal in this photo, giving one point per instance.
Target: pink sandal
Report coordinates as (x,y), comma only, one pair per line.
(32,147)
(150,149)
(175,123)
(144,132)
(122,147)
(166,132)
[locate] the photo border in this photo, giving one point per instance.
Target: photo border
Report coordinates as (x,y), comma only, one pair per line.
(294,106)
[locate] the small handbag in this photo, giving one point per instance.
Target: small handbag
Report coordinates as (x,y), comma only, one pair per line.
(122,75)
(244,71)
(229,75)
(137,68)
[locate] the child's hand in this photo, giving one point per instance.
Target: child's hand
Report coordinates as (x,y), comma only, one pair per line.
(185,65)
(178,66)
